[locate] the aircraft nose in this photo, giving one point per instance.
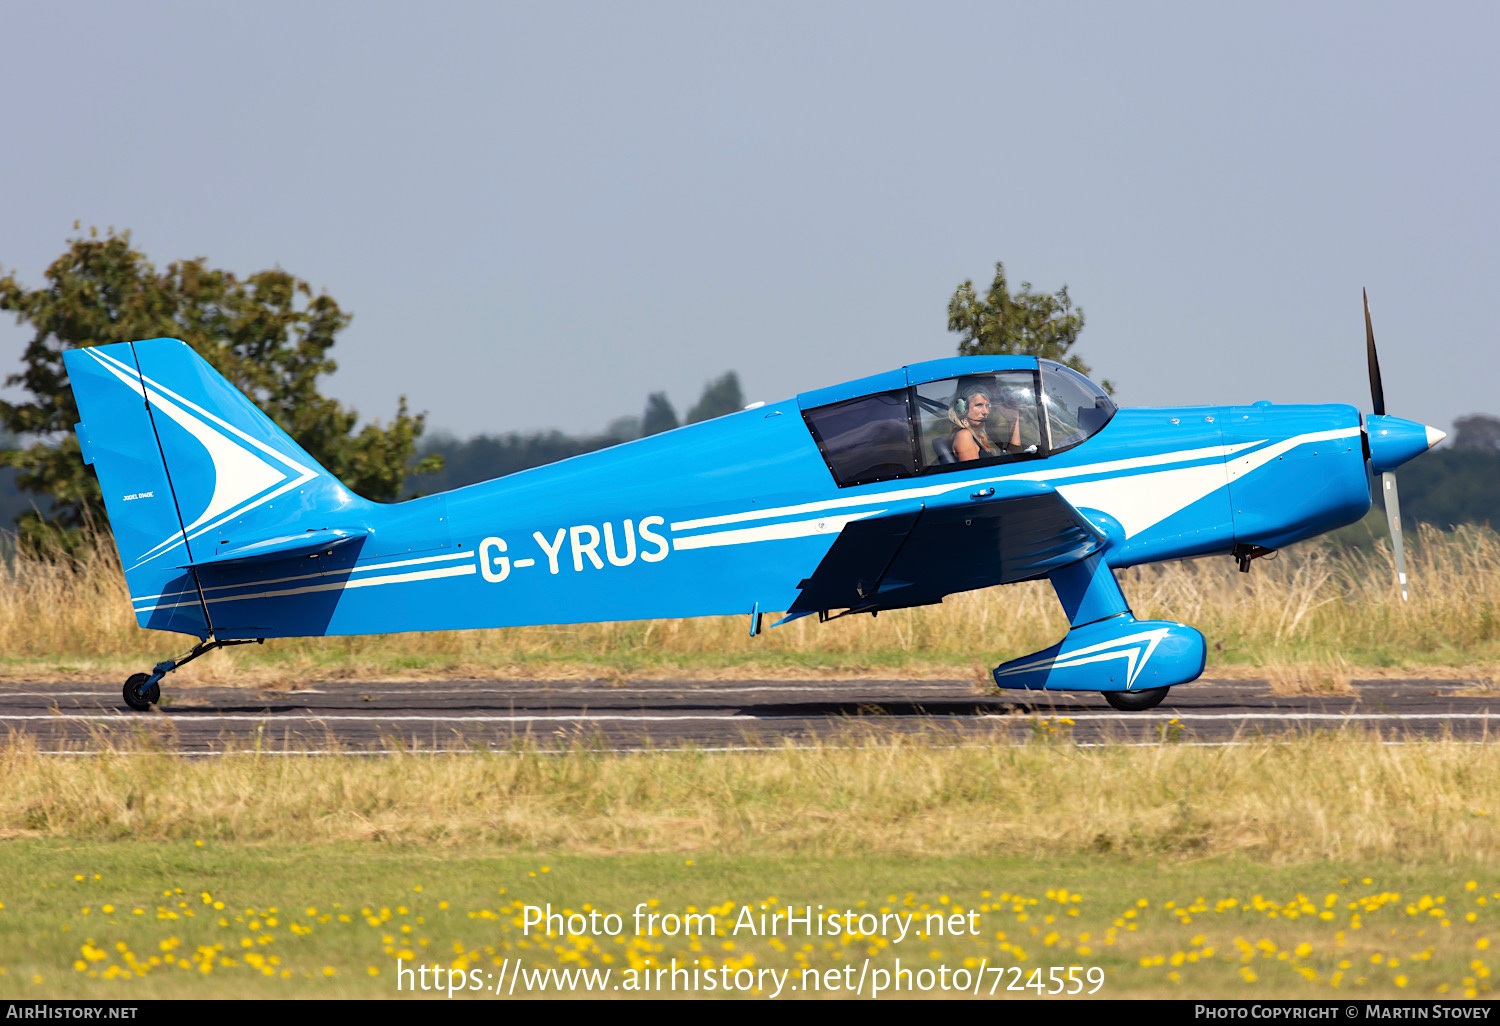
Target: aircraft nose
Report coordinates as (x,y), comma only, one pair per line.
(1394,440)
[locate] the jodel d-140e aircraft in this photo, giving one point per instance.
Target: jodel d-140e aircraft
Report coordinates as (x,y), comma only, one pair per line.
(891,491)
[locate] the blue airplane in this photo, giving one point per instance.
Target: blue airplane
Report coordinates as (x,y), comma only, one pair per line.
(888,492)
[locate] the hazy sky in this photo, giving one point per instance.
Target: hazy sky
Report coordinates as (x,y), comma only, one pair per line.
(540,212)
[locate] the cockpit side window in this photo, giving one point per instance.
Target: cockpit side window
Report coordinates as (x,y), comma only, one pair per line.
(1076,407)
(979,418)
(866,439)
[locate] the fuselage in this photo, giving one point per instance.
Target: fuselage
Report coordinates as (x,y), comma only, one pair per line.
(731,515)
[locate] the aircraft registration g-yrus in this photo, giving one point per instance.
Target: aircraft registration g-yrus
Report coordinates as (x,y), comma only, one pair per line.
(887,492)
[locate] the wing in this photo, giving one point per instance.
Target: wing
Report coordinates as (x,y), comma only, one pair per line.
(916,557)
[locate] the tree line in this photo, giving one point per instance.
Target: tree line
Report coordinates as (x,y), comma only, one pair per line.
(272,337)
(483,457)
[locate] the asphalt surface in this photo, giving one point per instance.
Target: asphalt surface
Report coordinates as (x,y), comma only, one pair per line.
(470,715)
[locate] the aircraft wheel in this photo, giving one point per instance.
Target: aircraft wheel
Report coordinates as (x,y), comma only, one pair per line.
(139,700)
(1136,701)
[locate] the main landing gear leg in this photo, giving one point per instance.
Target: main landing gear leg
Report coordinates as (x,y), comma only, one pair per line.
(143,690)
(1133,662)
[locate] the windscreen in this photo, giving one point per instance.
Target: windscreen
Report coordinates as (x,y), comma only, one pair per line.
(1076,407)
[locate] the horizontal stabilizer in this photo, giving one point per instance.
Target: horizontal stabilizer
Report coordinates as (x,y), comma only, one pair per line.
(285,546)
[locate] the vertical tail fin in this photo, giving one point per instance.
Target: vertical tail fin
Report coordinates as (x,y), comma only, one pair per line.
(187,465)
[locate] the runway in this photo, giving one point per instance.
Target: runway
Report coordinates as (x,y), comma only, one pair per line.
(457,716)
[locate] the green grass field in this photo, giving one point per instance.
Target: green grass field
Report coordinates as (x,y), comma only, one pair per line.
(1310,866)
(138,920)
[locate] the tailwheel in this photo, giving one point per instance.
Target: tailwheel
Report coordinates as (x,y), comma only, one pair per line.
(139,697)
(1136,701)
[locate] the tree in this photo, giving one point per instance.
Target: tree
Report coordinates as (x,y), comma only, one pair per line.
(1027,323)
(267,334)
(1477,431)
(659,415)
(719,397)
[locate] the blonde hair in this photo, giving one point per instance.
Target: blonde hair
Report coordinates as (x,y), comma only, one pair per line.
(966,394)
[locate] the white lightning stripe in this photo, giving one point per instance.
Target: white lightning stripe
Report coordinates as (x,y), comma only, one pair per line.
(421,575)
(132,381)
(1138,501)
(1141,501)
(239,474)
(203,433)
(1112,466)
(1239,468)
(1097,653)
(772,532)
(268,450)
(325,573)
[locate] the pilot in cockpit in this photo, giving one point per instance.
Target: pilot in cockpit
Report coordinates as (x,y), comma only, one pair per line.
(969,413)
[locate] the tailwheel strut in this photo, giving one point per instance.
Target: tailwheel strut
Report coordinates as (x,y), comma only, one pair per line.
(143,690)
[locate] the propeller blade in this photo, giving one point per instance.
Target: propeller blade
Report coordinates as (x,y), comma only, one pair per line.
(1377,393)
(1393,521)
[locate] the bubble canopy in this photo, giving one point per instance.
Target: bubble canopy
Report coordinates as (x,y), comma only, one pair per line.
(954,414)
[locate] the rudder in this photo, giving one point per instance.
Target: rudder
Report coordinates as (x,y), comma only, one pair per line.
(189,467)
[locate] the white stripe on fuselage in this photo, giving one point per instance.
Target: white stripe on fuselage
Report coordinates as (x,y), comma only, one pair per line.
(772,532)
(1111,467)
(324,573)
(420,575)
(1138,501)
(1141,501)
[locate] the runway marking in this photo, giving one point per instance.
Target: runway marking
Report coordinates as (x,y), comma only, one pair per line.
(666,690)
(697,749)
(59,694)
(313,717)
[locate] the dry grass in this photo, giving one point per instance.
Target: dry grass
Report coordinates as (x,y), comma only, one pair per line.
(1347,796)
(1312,606)
(1312,678)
